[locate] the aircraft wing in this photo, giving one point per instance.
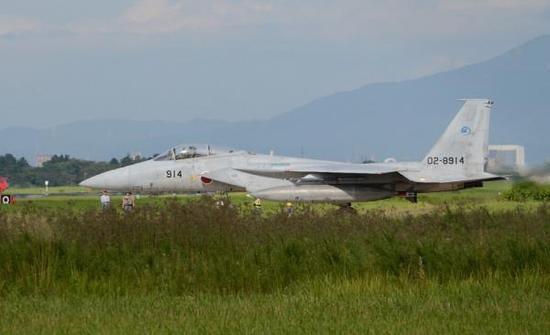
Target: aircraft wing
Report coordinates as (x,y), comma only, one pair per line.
(324,169)
(253,179)
(258,179)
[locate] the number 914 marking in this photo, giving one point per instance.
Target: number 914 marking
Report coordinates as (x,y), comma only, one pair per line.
(174,174)
(445,160)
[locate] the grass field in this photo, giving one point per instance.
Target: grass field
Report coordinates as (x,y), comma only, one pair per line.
(488,196)
(362,306)
(465,262)
(56,190)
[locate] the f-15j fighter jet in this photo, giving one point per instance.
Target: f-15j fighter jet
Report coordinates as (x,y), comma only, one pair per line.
(455,162)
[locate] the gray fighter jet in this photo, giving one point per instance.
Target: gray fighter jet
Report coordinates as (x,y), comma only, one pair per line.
(456,162)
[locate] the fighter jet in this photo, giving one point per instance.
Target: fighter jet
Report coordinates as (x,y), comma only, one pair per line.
(455,162)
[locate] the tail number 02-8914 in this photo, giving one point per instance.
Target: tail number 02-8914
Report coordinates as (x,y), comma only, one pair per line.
(445,160)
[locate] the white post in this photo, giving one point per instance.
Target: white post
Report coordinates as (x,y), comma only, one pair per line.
(46,183)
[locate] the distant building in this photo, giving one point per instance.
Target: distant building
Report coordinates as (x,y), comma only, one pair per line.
(136,156)
(41,159)
(506,158)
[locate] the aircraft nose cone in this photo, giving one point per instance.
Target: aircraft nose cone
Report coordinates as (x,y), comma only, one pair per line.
(110,180)
(87,183)
(94,182)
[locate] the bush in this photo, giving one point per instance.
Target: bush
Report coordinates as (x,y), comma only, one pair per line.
(527,190)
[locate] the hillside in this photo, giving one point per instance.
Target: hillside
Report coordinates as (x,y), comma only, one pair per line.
(397,119)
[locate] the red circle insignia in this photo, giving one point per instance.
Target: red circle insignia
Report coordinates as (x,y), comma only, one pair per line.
(206,180)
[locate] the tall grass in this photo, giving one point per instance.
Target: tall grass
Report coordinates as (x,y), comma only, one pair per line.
(528,190)
(374,305)
(179,248)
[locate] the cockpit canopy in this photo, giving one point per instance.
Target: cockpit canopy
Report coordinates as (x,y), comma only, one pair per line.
(186,151)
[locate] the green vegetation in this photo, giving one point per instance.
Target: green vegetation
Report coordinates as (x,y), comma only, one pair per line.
(371,305)
(54,190)
(463,262)
(183,248)
(491,197)
(527,190)
(176,265)
(59,171)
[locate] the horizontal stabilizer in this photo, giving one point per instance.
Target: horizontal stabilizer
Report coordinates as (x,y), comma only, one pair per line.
(456,178)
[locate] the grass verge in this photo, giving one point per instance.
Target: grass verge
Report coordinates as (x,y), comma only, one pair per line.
(372,305)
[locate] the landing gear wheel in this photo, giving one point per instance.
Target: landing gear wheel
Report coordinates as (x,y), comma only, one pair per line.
(347,208)
(412,197)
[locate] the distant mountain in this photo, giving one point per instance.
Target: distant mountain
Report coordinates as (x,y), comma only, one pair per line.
(104,139)
(397,119)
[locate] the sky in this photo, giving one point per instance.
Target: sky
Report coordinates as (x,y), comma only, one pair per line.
(178,60)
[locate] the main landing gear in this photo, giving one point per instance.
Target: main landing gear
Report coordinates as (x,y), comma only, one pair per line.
(412,197)
(346,208)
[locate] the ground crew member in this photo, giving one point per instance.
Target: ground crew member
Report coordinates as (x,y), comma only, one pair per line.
(257,205)
(218,197)
(105,200)
(128,202)
(289,208)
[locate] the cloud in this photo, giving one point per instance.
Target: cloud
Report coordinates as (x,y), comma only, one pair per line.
(329,19)
(14,26)
(162,16)
(169,16)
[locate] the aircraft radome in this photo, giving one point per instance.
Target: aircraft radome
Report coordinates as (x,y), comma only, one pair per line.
(455,162)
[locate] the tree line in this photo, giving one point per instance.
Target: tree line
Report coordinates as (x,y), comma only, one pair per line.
(61,170)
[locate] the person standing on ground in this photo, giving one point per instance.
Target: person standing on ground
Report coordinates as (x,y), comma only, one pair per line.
(128,202)
(257,205)
(105,200)
(218,197)
(289,208)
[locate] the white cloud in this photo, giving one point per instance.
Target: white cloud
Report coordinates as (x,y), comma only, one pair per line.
(161,16)
(329,19)
(13,25)
(168,16)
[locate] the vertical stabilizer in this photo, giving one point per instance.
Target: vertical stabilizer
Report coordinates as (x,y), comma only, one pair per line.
(463,147)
